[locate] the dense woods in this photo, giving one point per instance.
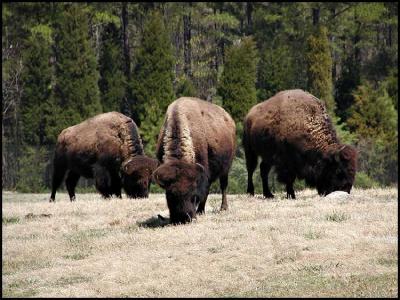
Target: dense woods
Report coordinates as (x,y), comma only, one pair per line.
(65,62)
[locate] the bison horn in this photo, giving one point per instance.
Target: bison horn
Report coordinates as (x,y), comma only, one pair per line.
(200,167)
(124,165)
(190,218)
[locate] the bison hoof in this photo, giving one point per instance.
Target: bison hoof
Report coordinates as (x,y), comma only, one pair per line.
(200,211)
(72,199)
(224,207)
(52,200)
(269,196)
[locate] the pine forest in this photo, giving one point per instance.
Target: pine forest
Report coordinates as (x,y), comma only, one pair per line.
(65,62)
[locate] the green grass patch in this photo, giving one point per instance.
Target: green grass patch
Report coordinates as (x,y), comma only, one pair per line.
(336,217)
(10,220)
(19,289)
(312,269)
(313,235)
(82,236)
(80,242)
(27,237)
(389,262)
(13,266)
(76,256)
(64,281)
(310,282)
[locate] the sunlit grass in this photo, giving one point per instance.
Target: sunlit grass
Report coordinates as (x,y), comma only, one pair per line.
(308,247)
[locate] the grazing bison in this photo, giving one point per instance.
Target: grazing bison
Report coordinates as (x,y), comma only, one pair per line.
(107,148)
(293,132)
(195,146)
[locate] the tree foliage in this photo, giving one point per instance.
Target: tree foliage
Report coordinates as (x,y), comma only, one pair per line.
(65,62)
(319,68)
(153,83)
(36,100)
(237,85)
(76,92)
(112,83)
(375,119)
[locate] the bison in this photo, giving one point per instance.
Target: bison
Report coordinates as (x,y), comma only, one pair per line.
(108,148)
(195,146)
(293,132)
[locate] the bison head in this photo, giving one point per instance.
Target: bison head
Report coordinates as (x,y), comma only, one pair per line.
(339,171)
(186,186)
(136,175)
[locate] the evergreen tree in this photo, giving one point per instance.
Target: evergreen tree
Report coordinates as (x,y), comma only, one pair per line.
(392,83)
(373,114)
(112,82)
(319,68)
(37,80)
(153,79)
(275,72)
(346,84)
(76,91)
(237,85)
(186,89)
(374,120)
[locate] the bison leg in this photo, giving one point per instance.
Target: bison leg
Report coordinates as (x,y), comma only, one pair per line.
(251,164)
(251,161)
(265,167)
(70,182)
(58,176)
(102,181)
(115,184)
(289,187)
(287,177)
(223,182)
(202,205)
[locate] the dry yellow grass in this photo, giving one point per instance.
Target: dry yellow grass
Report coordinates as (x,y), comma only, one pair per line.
(308,247)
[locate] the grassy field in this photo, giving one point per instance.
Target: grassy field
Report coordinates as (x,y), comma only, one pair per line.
(308,247)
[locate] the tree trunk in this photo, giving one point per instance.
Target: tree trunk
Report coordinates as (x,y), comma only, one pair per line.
(335,53)
(315,12)
(128,104)
(187,35)
(249,13)
(356,40)
(126,40)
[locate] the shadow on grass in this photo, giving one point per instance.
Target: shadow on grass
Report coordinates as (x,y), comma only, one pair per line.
(154,222)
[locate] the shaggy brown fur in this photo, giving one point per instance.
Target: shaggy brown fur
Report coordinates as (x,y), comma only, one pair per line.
(196,146)
(108,148)
(293,132)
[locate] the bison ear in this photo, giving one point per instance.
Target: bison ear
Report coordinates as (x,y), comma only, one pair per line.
(347,153)
(165,175)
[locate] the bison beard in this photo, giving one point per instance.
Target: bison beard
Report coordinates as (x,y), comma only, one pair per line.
(293,132)
(107,148)
(195,147)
